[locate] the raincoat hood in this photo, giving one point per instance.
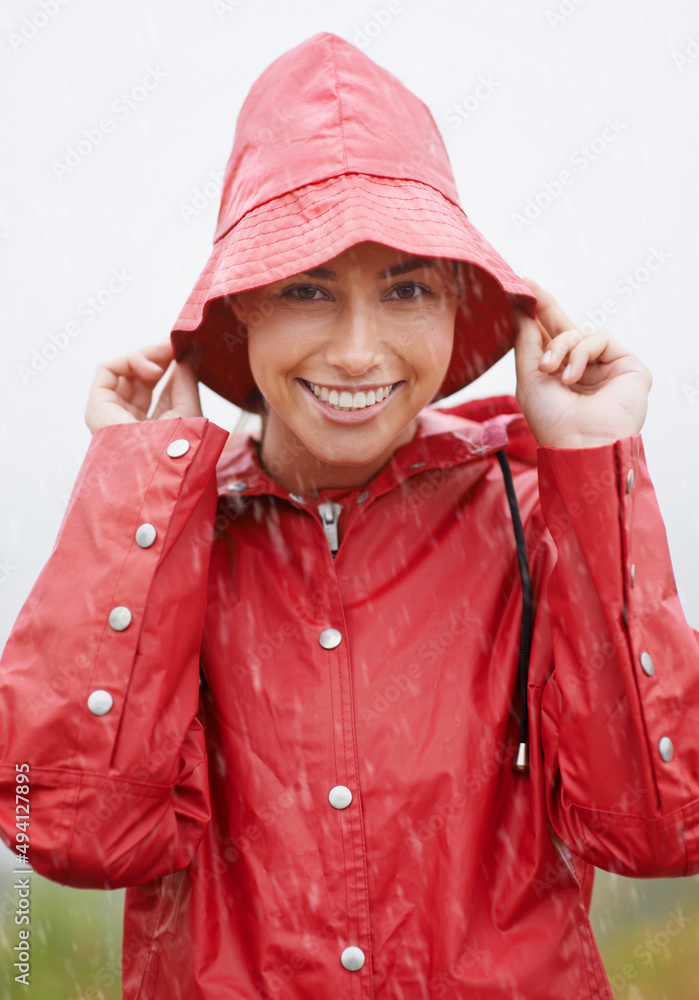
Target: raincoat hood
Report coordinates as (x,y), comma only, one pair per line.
(330,151)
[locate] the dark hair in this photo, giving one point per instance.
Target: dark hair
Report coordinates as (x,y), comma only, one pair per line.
(256,403)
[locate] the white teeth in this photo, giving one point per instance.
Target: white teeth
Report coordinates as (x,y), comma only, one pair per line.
(346,400)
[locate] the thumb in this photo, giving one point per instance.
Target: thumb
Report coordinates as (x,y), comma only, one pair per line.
(180,397)
(529,347)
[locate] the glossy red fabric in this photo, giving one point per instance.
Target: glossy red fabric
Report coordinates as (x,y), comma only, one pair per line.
(207,793)
(331,150)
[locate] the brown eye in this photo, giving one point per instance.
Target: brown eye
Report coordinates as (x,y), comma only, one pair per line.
(410,291)
(305,293)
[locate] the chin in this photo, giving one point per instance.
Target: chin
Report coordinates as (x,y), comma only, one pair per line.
(349,457)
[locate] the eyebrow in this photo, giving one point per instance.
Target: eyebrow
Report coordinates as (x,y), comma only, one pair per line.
(412,264)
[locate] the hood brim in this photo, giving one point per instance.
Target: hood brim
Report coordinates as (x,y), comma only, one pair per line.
(311,225)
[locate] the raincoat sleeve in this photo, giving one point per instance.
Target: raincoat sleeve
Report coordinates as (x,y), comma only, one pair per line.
(619,713)
(99,680)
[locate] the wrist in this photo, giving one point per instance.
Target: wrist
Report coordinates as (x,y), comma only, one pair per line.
(577,442)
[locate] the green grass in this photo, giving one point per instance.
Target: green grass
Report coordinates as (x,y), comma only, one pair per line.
(75,942)
(76,939)
(649,953)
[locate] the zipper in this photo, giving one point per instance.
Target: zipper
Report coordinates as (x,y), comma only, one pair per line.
(329,516)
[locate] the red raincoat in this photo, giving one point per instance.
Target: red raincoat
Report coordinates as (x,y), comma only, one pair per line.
(300,764)
(305,795)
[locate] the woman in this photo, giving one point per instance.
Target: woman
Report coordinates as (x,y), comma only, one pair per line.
(304,748)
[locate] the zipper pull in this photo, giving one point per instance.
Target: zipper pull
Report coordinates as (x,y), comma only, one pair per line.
(330,515)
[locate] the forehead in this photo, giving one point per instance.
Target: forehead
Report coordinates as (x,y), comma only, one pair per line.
(376,260)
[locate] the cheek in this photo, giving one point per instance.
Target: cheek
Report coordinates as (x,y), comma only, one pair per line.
(434,348)
(445,338)
(275,350)
(268,350)
(264,367)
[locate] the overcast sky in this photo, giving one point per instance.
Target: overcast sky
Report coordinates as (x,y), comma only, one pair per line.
(572,130)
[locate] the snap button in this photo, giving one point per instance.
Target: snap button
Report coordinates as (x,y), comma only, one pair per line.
(340,797)
(100,702)
(633,575)
(119,618)
(178,448)
(297,499)
(629,480)
(145,536)
(666,748)
(363,496)
(237,486)
(352,958)
(329,638)
(647,664)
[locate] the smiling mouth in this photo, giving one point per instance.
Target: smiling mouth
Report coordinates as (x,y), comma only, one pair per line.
(344,400)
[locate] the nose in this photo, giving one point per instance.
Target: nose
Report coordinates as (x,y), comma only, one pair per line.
(355,344)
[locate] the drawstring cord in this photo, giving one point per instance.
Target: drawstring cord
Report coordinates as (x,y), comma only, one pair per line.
(521,761)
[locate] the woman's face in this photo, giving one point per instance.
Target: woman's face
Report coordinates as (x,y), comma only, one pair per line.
(346,355)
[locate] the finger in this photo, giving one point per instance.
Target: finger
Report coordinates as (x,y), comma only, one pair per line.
(545,335)
(188,381)
(185,390)
(164,402)
(558,349)
(553,318)
(598,347)
(125,369)
(180,396)
(529,345)
(124,388)
(148,364)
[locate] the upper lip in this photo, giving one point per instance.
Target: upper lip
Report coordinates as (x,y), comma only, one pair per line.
(352,388)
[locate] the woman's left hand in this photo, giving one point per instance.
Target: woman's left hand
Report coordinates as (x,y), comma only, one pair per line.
(576,389)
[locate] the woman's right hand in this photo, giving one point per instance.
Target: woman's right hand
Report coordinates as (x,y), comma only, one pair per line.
(122,389)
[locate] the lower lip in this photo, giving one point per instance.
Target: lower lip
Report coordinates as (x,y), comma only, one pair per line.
(362,416)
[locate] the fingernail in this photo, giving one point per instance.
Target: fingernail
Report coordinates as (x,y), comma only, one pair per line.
(546,357)
(566,371)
